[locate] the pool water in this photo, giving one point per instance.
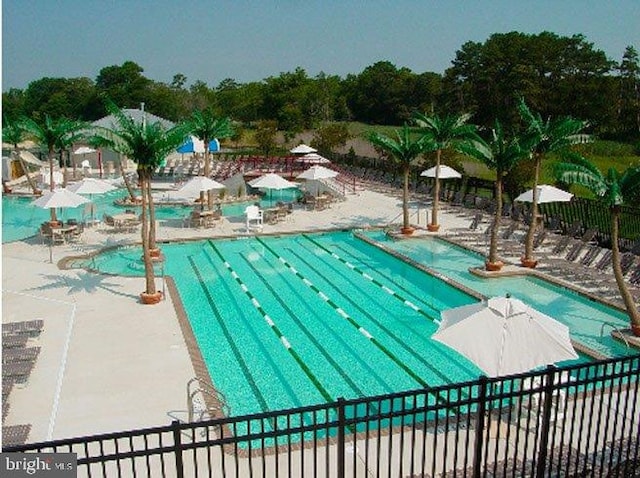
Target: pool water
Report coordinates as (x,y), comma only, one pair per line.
(281,322)
(590,322)
(20,220)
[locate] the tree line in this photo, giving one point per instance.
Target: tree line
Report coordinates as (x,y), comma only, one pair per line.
(558,75)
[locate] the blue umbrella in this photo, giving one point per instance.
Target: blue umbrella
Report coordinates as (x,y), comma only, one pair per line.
(194,145)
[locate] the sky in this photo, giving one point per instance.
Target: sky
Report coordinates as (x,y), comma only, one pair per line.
(252,40)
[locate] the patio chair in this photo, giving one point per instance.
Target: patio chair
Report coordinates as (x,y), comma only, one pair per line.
(253,218)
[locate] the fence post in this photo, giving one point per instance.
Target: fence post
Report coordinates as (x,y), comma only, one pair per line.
(177,448)
(546,421)
(341,436)
(477,452)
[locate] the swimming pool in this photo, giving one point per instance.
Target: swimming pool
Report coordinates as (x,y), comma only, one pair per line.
(20,220)
(297,320)
(282,323)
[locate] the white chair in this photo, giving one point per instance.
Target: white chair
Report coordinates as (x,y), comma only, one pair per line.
(254,218)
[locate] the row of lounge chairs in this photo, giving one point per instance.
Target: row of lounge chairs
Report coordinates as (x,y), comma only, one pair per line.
(572,256)
(18,360)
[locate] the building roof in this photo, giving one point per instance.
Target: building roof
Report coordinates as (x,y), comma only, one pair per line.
(136,115)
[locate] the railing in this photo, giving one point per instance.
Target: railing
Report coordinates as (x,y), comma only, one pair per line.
(576,421)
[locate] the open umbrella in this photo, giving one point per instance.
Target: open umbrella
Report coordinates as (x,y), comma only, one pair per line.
(546,193)
(192,145)
(60,197)
(272,181)
(317,172)
(312,158)
(91,186)
(446,172)
(198,184)
(303,149)
(84,150)
(504,336)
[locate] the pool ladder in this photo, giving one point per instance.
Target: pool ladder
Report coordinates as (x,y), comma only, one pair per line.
(197,405)
(615,329)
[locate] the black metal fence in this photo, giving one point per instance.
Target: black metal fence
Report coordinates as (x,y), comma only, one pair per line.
(577,421)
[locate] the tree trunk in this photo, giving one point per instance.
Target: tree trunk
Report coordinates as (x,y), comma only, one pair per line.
(627,298)
(493,245)
(64,169)
(436,191)
(52,186)
(405,196)
(152,213)
(126,181)
(150,287)
(528,246)
(23,165)
(207,172)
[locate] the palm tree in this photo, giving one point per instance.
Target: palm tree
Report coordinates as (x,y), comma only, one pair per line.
(614,190)
(543,137)
(206,127)
(443,133)
(501,155)
(50,135)
(404,150)
(147,144)
(13,134)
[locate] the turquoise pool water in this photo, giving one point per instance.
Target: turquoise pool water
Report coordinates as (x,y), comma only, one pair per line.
(20,220)
(583,316)
(296,320)
(282,323)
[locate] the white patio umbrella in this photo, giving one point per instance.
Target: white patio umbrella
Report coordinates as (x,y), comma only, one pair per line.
(91,186)
(84,150)
(446,172)
(60,197)
(272,181)
(312,158)
(303,149)
(546,193)
(318,172)
(199,184)
(504,336)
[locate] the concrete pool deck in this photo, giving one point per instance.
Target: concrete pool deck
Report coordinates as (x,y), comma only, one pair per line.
(108,363)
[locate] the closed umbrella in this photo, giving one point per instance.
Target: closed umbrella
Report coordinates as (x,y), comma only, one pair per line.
(503,336)
(446,172)
(546,194)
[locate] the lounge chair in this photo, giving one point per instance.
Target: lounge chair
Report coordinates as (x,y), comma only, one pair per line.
(30,328)
(604,261)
